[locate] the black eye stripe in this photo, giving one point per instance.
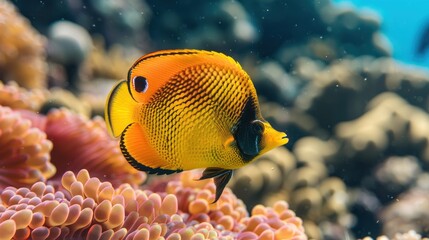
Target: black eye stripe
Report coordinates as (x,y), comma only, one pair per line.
(140,84)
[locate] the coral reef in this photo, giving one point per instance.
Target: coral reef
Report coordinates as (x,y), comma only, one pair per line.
(15,97)
(301,178)
(408,212)
(61,98)
(82,143)
(41,100)
(357,159)
(390,125)
(410,235)
(89,208)
(378,125)
(356,82)
(22,53)
(24,151)
(112,63)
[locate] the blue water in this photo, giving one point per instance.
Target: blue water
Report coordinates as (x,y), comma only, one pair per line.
(403,22)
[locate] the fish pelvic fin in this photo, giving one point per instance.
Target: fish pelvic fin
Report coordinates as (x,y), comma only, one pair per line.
(138,152)
(221,178)
(120,108)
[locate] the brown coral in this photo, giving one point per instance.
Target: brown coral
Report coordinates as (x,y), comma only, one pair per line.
(22,54)
(341,91)
(255,181)
(389,122)
(301,178)
(409,212)
(410,235)
(90,208)
(24,151)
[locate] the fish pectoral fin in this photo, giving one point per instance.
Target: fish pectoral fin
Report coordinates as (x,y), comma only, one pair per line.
(221,178)
(229,142)
(137,150)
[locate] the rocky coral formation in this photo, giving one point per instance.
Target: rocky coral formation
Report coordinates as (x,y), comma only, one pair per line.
(341,91)
(410,235)
(390,126)
(22,53)
(385,138)
(408,212)
(89,208)
(301,178)
(357,121)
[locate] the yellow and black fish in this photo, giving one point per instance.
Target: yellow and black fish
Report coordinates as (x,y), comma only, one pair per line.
(186,109)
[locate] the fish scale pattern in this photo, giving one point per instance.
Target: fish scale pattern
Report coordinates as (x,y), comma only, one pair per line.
(202,98)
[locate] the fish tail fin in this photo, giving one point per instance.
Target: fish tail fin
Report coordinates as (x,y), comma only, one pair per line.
(119,110)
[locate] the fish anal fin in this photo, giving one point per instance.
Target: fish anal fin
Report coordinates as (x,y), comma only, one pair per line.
(140,154)
(221,178)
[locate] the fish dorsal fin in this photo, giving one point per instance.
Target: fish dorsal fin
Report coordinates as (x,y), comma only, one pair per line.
(159,67)
(119,109)
(221,178)
(137,150)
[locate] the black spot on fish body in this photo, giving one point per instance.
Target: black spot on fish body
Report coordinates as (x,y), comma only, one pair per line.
(140,84)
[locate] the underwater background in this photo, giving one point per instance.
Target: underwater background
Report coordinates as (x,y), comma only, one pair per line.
(347,81)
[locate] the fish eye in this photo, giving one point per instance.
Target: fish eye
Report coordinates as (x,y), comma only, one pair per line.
(140,84)
(258,126)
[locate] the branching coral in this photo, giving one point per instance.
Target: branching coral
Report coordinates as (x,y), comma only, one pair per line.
(87,207)
(22,52)
(24,151)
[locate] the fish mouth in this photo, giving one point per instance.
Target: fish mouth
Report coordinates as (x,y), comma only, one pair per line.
(284,139)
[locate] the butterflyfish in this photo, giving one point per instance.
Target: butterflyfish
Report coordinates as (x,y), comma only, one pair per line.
(188,109)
